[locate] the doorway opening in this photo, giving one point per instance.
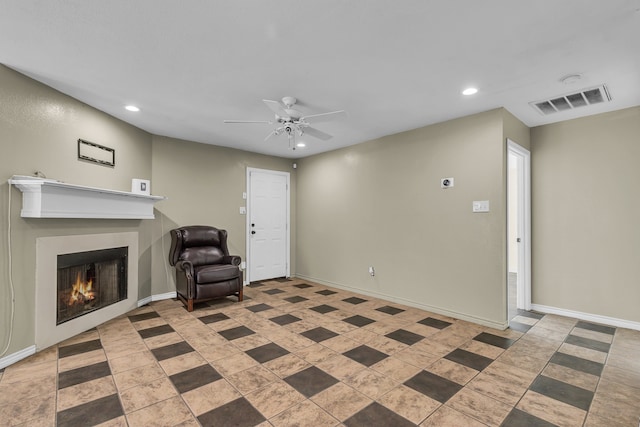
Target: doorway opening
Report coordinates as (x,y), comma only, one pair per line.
(518,229)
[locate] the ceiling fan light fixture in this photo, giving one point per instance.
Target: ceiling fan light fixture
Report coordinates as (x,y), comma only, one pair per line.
(301,145)
(470,91)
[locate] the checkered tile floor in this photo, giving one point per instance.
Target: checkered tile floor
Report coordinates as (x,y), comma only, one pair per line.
(296,353)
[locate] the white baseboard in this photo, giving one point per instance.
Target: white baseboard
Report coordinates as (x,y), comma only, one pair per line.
(17,356)
(157,297)
(595,318)
(410,303)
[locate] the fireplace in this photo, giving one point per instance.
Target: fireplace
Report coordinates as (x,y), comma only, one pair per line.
(89,281)
(83,281)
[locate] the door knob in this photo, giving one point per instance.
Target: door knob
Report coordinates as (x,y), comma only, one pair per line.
(253,225)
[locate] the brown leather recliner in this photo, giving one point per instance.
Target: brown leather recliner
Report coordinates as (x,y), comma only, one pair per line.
(204,268)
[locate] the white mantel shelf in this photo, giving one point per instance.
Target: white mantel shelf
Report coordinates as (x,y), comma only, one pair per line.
(48,198)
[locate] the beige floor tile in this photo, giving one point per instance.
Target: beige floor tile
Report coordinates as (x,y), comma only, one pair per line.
(316,353)
(447,417)
(305,414)
(483,349)
(371,383)
(452,371)
(83,337)
(85,392)
(479,406)
(387,345)
(236,363)
(594,420)
(287,365)
(252,379)
(163,340)
(550,334)
(551,410)
(27,371)
(294,342)
(499,389)
(82,359)
(274,398)
(182,363)
(340,366)
(625,394)
(340,344)
(138,376)
(416,357)
(249,342)
(216,352)
(571,376)
(210,396)
(449,339)
(149,323)
(584,353)
(124,347)
(24,411)
(621,376)
(395,368)
(132,361)
(629,361)
(523,361)
(409,403)
(509,373)
(144,395)
(341,401)
(28,389)
(169,412)
(592,335)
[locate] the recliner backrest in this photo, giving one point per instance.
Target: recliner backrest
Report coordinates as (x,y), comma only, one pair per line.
(198,244)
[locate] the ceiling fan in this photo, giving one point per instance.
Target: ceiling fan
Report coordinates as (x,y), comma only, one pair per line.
(292,122)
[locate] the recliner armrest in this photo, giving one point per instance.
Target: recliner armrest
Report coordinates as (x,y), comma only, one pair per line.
(185,266)
(232,259)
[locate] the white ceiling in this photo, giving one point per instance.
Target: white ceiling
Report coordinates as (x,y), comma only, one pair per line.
(392,65)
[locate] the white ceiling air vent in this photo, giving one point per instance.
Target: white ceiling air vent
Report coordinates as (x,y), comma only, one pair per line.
(594,95)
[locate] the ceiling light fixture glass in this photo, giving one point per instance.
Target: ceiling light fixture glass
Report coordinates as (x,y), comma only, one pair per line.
(132,108)
(301,145)
(470,91)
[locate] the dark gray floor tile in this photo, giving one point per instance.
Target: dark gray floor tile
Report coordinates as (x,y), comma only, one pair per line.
(194,378)
(238,413)
(275,291)
(377,415)
(259,307)
(495,340)
(323,309)
(358,320)
(82,375)
(310,381)
(405,337)
(567,393)
(303,286)
(285,319)
(469,359)
(296,299)
(530,314)
(588,343)
(326,292)
(143,316)
(596,328)
(520,327)
(390,310)
(518,418)
(366,355)
(577,363)
(434,386)
(155,331)
(83,347)
(282,279)
(434,323)
(173,350)
(213,318)
(354,300)
(267,352)
(237,332)
(91,413)
(319,334)
(255,285)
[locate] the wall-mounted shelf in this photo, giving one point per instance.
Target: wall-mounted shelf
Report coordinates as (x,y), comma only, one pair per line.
(48,198)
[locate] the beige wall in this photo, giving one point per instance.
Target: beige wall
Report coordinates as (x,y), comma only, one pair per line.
(39,129)
(204,185)
(586,208)
(380,204)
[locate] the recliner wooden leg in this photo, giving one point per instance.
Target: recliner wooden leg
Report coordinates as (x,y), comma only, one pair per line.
(190,305)
(240,296)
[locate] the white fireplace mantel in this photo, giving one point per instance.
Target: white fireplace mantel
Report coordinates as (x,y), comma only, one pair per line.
(48,198)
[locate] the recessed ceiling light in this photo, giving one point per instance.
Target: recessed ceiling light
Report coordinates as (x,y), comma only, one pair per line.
(301,145)
(470,91)
(132,108)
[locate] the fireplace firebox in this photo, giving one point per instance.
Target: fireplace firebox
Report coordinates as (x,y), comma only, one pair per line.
(88,281)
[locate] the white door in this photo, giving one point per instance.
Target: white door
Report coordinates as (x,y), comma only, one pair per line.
(267,224)
(519,228)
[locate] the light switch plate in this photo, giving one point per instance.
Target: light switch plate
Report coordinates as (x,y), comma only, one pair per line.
(481,206)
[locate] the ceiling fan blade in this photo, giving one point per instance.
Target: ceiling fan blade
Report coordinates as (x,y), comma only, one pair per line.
(325,117)
(273,133)
(317,133)
(276,107)
(249,121)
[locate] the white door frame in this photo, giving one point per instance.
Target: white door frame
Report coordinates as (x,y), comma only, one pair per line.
(247,270)
(524,224)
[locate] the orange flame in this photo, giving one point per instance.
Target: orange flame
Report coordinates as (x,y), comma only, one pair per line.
(82,292)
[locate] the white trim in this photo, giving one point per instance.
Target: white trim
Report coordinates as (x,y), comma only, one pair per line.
(596,318)
(247,270)
(166,295)
(411,303)
(17,356)
(524,263)
(145,301)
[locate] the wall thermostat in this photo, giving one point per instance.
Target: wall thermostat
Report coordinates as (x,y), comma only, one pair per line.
(446,183)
